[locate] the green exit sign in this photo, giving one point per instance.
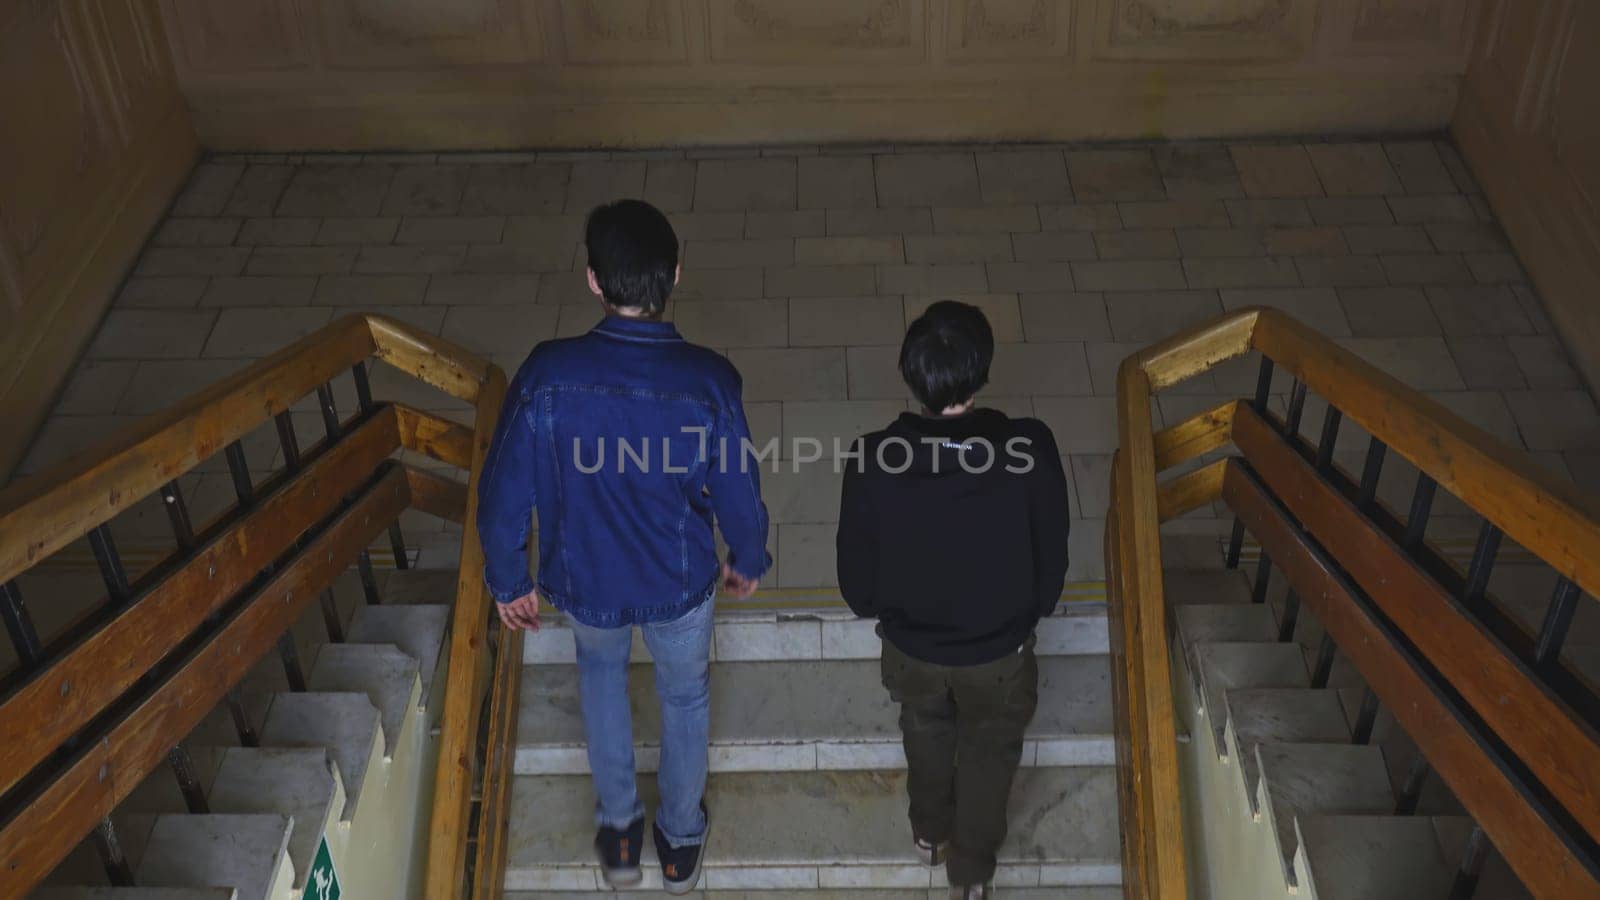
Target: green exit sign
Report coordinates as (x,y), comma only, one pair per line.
(322,883)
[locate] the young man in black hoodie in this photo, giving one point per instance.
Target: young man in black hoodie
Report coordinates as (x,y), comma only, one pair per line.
(953,534)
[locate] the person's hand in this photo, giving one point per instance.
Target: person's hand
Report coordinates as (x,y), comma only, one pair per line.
(521,613)
(737,585)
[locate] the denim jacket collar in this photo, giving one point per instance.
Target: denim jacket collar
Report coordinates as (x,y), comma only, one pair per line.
(644,330)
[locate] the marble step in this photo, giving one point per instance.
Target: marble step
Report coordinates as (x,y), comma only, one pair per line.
(1219,667)
(135,894)
(1234,623)
(1278,715)
(1371,858)
(824,830)
(836,714)
(385,673)
(1299,780)
(248,853)
(301,784)
(1213,586)
(834,633)
(940,893)
(417,629)
(345,724)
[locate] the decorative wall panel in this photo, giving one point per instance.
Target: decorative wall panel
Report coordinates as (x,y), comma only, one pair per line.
(1002,30)
(1420,30)
(238,35)
(623,31)
(427,33)
(817,31)
(1201,29)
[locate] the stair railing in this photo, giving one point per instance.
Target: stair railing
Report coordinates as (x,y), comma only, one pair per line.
(88,714)
(1496,711)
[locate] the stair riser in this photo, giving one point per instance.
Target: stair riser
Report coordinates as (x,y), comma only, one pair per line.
(791,878)
(771,640)
(825,755)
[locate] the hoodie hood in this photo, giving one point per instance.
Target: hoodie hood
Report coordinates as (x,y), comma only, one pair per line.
(943,445)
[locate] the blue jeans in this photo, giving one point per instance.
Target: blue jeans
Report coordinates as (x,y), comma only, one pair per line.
(681,649)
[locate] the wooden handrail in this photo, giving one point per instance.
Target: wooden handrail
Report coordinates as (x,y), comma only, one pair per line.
(1545,516)
(42,514)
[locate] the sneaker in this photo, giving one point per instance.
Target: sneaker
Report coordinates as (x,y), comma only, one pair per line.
(680,866)
(971,892)
(930,853)
(618,852)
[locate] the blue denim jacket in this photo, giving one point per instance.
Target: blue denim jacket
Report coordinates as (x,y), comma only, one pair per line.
(627,440)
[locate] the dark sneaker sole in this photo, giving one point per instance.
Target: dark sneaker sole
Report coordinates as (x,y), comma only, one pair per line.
(622,878)
(679,888)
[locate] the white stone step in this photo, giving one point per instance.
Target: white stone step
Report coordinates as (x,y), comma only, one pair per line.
(1222,667)
(345,724)
(834,633)
(823,830)
(1371,858)
(1049,893)
(135,894)
(417,629)
(811,714)
(1234,623)
(1299,780)
(301,784)
(385,673)
(1214,586)
(248,853)
(1279,715)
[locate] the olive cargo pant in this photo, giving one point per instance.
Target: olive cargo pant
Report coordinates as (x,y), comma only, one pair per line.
(963,728)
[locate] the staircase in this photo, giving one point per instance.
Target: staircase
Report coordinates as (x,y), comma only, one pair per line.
(807,791)
(339,762)
(1301,808)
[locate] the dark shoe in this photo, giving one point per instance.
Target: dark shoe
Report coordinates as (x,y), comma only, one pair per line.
(931,854)
(680,866)
(618,853)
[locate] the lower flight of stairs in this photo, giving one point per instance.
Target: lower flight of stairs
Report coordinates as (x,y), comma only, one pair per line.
(344,761)
(1291,804)
(807,791)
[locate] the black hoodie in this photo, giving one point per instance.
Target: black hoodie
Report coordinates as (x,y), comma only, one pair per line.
(957,548)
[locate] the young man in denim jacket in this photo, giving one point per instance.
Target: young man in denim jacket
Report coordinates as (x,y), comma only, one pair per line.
(628,441)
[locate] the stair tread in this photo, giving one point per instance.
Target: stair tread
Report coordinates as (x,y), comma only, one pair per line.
(1209,623)
(346,724)
(386,674)
(1320,779)
(417,629)
(1372,858)
(289,781)
(819,819)
(770,703)
(134,893)
(1011,893)
(243,852)
(1279,715)
(1206,587)
(1221,667)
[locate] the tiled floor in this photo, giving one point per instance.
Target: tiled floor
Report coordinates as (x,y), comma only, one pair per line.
(804,264)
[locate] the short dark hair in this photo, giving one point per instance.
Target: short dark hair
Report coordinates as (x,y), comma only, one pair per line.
(946,355)
(633,253)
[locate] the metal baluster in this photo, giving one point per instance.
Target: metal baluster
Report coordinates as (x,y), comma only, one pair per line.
(369,581)
(1263,386)
(1258,594)
(358,372)
(287,440)
(330,617)
(1297,408)
(19,625)
(330,413)
(178,514)
(118,872)
(110,562)
(239,468)
(1291,617)
(1330,437)
(1421,505)
(1557,619)
(1411,788)
(1235,544)
(1477,583)
(292,672)
(183,768)
(1323,670)
(241,720)
(1477,852)
(397,543)
(1366,718)
(1369,473)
